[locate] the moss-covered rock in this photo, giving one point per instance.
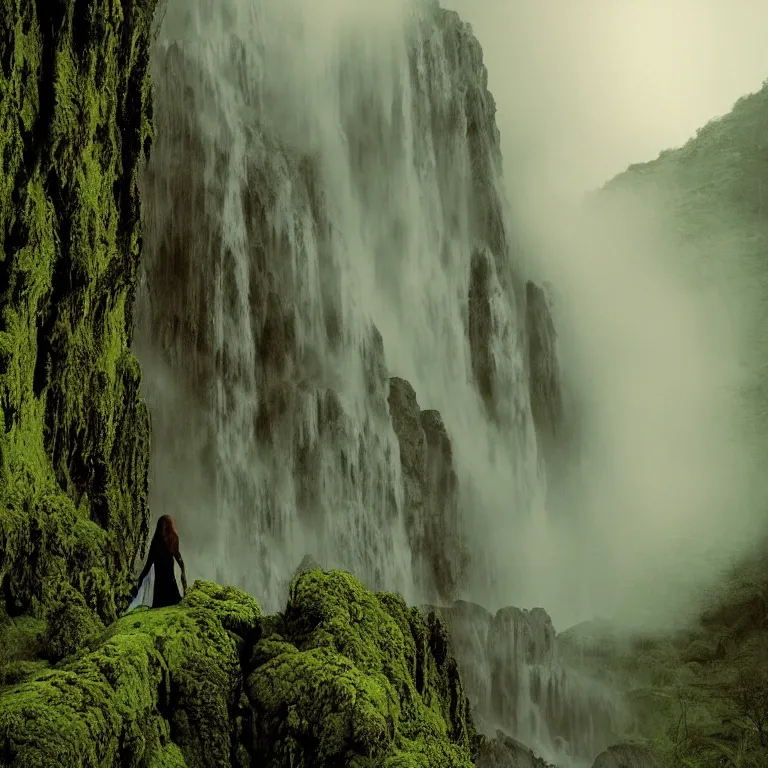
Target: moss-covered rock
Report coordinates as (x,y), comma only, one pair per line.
(70,625)
(74,433)
(21,648)
(160,689)
(344,677)
(350,678)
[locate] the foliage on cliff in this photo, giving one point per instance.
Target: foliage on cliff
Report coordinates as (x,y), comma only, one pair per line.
(74,433)
(717,180)
(344,677)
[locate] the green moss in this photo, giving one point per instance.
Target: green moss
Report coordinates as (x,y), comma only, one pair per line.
(237,611)
(159,689)
(21,645)
(345,677)
(74,433)
(70,624)
(349,678)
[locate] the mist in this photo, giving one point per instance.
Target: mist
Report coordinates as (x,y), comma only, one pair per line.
(664,487)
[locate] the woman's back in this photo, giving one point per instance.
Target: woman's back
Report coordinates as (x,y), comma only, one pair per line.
(163,550)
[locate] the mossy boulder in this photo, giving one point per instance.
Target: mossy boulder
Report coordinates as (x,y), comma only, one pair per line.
(344,677)
(74,432)
(161,689)
(70,625)
(348,677)
(21,648)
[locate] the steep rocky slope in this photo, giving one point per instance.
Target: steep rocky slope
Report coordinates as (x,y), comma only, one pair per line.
(74,434)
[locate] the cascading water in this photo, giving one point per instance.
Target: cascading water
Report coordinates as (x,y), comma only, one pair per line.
(322,207)
(323,210)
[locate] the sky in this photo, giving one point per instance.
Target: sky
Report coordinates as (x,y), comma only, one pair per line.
(586,87)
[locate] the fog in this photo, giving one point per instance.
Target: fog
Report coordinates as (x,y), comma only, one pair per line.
(669,491)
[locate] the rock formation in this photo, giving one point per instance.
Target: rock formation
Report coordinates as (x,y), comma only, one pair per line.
(515,681)
(342,677)
(255,318)
(545,384)
(626,755)
(349,226)
(74,433)
(430,492)
(506,752)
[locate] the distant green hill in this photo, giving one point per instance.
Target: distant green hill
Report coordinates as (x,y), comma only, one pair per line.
(717,179)
(709,198)
(702,696)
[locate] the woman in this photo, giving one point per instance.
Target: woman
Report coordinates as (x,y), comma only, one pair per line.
(163,550)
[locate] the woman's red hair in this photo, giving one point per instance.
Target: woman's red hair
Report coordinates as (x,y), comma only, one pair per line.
(166,536)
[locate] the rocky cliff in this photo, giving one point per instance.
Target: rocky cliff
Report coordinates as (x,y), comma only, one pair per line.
(516,680)
(74,434)
(350,231)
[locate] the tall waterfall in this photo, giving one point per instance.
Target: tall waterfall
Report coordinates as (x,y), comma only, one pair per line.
(323,210)
(332,320)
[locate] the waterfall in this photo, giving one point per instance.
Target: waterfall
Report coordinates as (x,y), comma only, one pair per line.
(332,325)
(323,209)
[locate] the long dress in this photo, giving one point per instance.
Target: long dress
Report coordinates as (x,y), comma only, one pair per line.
(166,589)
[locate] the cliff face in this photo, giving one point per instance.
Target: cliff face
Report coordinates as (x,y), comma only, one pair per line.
(269,273)
(349,227)
(545,383)
(74,433)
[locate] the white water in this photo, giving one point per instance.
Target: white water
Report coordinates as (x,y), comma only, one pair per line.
(311,175)
(317,175)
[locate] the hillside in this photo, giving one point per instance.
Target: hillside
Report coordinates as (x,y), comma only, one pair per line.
(702,694)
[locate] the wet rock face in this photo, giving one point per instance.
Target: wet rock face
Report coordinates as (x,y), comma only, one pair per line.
(481,326)
(74,432)
(406,421)
(430,491)
(514,678)
(493,333)
(261,313)
(544,370)
(506,752)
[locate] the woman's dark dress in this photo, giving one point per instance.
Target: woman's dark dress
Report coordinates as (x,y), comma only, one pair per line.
(166,588)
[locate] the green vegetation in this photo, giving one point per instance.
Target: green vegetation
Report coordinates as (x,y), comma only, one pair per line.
(344,677)
(710,200)
(346,672)
(701,696)
(74,433)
